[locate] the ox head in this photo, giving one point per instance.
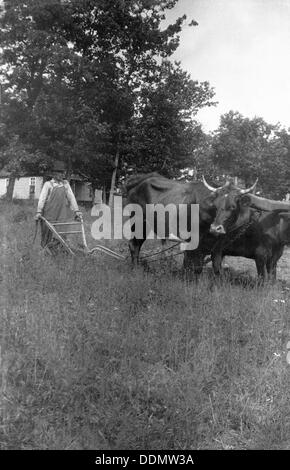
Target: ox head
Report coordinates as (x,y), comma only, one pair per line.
(207,208)
(232,207)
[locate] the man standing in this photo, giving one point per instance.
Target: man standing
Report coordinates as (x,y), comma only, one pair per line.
(57,203)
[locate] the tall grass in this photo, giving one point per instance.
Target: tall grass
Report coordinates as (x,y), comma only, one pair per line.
(95,355)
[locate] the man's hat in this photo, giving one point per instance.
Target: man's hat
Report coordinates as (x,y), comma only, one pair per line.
(59,166)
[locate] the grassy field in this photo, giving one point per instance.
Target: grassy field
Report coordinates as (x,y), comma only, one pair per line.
(95,355)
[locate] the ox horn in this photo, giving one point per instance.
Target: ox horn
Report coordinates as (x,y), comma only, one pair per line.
(264,204)
(249,190)
(211,188)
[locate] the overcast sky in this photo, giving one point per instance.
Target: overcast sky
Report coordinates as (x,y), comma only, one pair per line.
(242,47)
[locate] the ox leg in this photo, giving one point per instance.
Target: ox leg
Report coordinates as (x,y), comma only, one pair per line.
(135,247)
(272,263)
(163,247)
(193,261)
(271,269)
(217,259)
(273,273)
(261,267)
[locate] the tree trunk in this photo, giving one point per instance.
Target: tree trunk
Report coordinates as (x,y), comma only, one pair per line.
(10,188)
(114,174)
(94,187)
(69,169)
(104,194)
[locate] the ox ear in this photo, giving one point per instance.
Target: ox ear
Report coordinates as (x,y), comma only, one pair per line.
(245,200)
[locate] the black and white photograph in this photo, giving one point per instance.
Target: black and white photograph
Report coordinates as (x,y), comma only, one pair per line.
(145,228)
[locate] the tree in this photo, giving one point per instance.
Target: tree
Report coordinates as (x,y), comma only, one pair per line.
(239,145)
(274,175)
(251,148)
(17,158)
(86,81)
(166,133)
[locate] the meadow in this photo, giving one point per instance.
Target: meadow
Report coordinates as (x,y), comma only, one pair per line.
(96,355)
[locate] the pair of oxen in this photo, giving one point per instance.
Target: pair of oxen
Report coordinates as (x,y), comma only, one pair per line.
(232,221)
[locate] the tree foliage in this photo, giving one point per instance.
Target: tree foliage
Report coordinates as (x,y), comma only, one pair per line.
(251,148)
(166,134)
(86,80)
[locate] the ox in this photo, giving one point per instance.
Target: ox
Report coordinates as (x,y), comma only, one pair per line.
(252,227)
(210,245)
(155,189)
(152,188)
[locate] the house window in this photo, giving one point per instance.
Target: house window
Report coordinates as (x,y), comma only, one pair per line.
(32,183)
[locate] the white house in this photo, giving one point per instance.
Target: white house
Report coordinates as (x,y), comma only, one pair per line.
(29,187)
(3,185)
(26,187)
(82,189)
